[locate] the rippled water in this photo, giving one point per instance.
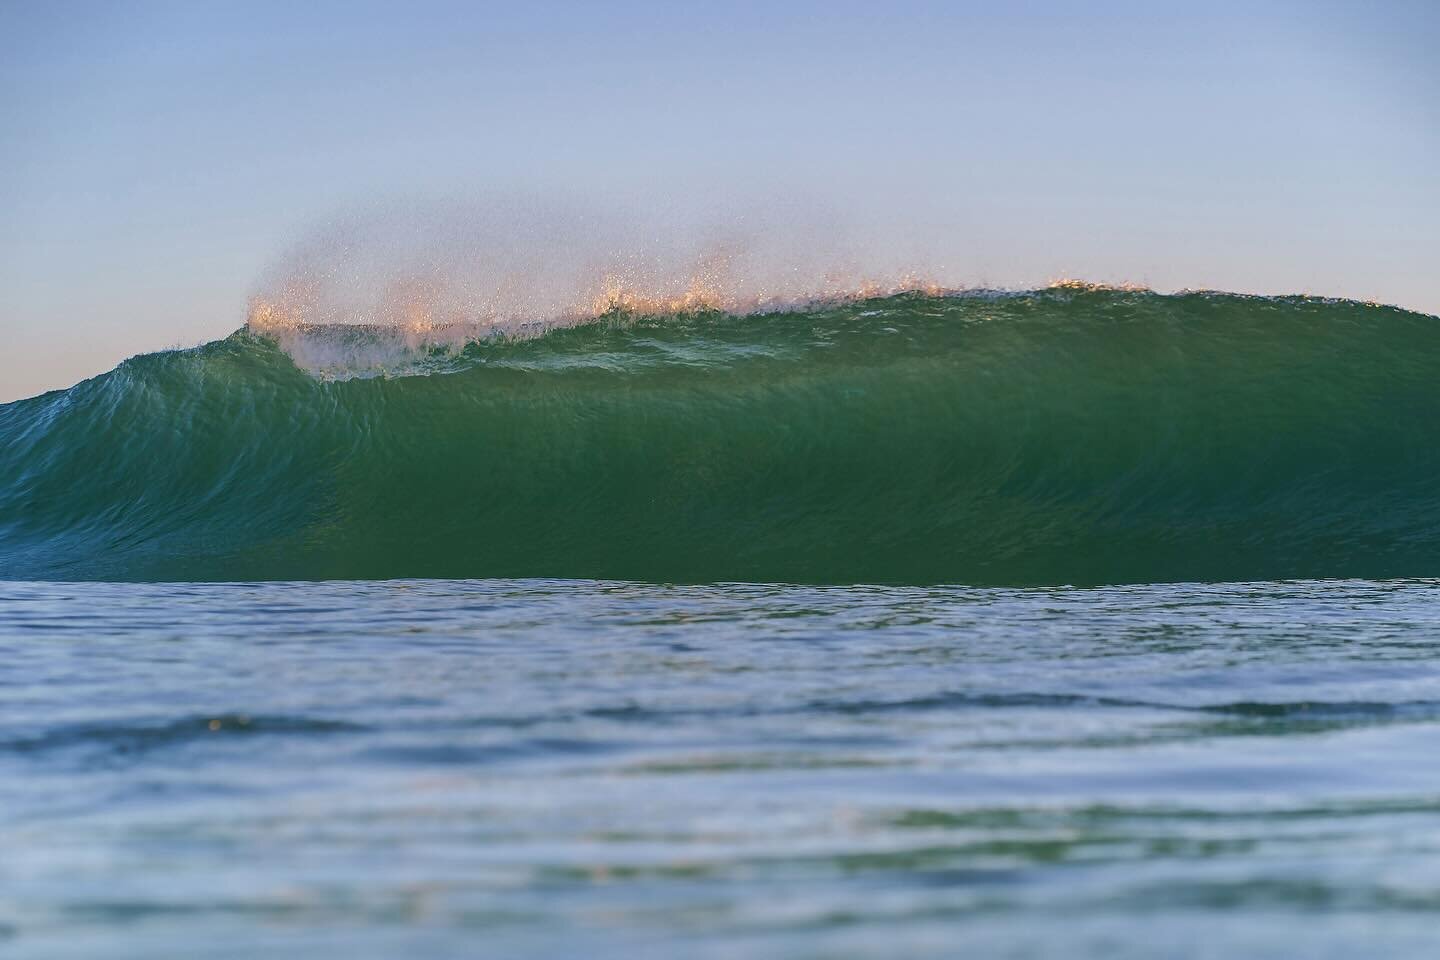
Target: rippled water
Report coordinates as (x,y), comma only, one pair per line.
(540,768)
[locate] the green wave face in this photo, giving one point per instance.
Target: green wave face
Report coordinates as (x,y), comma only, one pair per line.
(1064,436)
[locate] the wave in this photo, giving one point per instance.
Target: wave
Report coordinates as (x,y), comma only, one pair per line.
(1071,435)
(129,740)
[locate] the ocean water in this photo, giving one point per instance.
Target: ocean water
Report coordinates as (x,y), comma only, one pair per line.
(578,768)
(1057,436)
(1065,623)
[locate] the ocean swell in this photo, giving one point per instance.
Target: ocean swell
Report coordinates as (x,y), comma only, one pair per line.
(1071,435)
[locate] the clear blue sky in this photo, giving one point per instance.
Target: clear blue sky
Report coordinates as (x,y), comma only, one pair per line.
(156,157)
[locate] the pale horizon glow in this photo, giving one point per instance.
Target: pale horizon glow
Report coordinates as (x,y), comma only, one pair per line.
(160,161)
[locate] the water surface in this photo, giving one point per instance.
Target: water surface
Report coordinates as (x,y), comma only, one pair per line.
(559,769)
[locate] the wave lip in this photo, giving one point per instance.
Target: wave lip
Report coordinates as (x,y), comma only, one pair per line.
(1073,435)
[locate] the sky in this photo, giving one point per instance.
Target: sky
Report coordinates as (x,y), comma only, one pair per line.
(157,160)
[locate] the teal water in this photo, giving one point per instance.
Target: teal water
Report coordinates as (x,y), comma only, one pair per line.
(540,768)
(1056,436)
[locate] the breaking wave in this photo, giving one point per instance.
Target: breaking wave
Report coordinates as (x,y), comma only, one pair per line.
(1068,435)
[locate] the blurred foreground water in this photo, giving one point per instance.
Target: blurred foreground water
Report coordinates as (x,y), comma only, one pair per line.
(546,768)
